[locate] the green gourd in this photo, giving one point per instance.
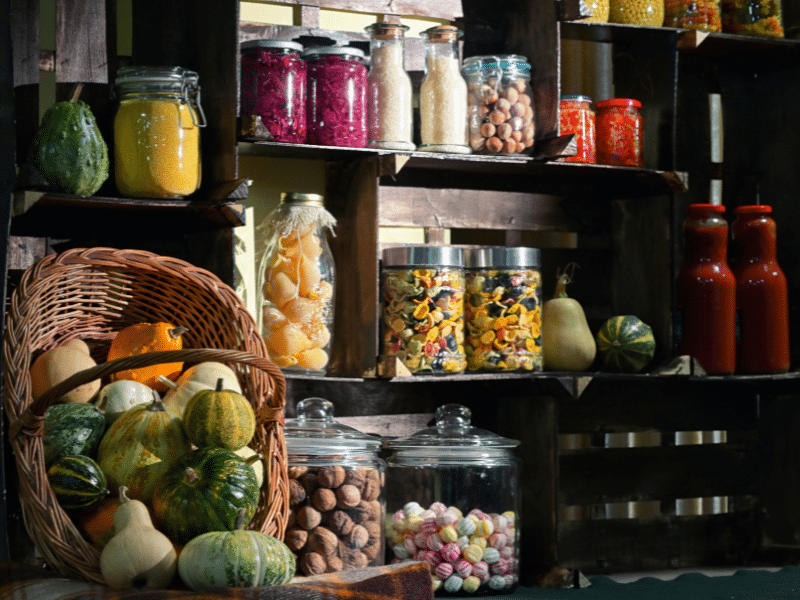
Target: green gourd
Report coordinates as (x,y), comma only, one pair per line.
(219,418)
(626,344)
(77,482)
(68,150)
(567,341)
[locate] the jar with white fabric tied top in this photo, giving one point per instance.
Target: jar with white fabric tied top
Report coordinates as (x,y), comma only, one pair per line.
(297,284)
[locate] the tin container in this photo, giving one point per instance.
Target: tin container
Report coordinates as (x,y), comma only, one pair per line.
(620,133)
(336,492)
(453,502)
(577,117)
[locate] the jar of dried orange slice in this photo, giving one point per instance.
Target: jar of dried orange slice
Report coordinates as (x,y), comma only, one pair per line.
(297,279)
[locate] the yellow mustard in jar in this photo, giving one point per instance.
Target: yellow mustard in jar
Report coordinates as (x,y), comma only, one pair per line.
(157,133)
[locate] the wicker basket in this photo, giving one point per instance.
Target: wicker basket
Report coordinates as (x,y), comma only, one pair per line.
(91,294)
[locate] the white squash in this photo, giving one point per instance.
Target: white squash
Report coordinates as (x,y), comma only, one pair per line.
(118,396)
(255,460)
(202,376)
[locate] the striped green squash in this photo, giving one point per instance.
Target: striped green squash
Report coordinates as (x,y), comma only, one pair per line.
(625,344)
(77,481)
(71,428)
(220,418)
(238,558)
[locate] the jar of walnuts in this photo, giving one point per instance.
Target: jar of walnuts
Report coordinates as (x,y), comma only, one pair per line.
(336,492)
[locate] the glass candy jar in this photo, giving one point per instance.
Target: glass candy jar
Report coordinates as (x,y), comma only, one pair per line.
(758,18)
(502,309)
(452,500)
(389,95)
(577,116)
(443,94)
(337,95)
(336,492)
(423,308)
(157,132)
(297,284)
(273,87)
(645,13)
(500,104)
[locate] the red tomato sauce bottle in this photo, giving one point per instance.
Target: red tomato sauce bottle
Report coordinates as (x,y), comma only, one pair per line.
(761,293)
(705,292)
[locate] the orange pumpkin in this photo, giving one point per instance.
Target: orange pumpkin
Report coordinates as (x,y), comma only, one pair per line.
(98,524)
(148,337)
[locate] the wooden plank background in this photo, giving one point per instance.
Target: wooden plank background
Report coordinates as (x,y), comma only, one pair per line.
(441,9)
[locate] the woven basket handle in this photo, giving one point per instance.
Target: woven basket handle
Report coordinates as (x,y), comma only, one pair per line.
(32,417)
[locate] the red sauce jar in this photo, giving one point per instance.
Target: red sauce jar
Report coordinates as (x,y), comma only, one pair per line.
(705,292)
(619,132)
(578,117)
(761,293)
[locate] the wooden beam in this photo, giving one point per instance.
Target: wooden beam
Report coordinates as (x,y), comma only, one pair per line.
(81,50)
(448,10)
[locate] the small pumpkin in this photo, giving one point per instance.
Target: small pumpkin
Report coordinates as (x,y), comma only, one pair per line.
(138,556)
(77,481)
(118,396)
(73,428)
(142,338)
(567,341)
(203,491)
(202,376)
(626,344)
(238,558)
(60,363)
(220,418)
(97,524)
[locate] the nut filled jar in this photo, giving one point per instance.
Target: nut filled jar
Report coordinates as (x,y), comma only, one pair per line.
(297,283)
(502,309)
(645,13)
(500,104)
(577,116)
(273,87)
(452,501)
(157,132)
(423,308)
(336,492)
(620,133)
(337,96)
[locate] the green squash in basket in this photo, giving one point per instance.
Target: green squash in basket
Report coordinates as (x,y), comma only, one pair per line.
(72,428)
(625,344)
(77,481)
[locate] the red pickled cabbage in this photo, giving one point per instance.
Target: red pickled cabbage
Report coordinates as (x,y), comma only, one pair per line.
(337,102)
(273,85)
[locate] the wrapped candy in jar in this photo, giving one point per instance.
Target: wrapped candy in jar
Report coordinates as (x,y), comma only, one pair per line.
(423,308)
(337,96)
(297,278)
(336,492)
(502,309)
(452,501)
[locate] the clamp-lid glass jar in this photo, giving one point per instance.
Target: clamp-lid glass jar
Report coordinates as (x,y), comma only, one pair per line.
(157,132)
(502,309)
(273,87)
(452,493)
(336,492)
(423,308)
(337,95)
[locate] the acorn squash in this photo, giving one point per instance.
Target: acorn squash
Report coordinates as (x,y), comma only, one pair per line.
(77,481)
(626,344)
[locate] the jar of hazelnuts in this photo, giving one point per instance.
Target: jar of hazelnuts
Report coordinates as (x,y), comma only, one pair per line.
(499,103)
(336,489)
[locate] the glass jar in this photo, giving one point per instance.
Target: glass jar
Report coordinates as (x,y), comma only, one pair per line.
(502,309)
(762,304)
(452,493)
(423,308)
(336,492)
(620,131)
(297,283)
(273,87)
(157,132)
(758,18)
(389,96)
(702,15)
(646,13)
(577,116)
(443,94)
(600,10)
(337,96)
(500,104)
(705,292)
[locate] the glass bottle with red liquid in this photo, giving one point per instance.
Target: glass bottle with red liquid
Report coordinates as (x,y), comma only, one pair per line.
(705,292)
(761,293)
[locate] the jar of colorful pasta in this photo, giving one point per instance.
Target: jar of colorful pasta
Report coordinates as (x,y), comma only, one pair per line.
(758,18)
(702,15)
(620,132)
(502,309)
(423,308)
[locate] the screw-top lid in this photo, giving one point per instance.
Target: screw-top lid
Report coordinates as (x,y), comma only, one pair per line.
(423,256)
(302,198)
(753,209)
(629,102)
(271,44)
(576,98)
(315,432)
(504,257)
(317,51)
(697,211)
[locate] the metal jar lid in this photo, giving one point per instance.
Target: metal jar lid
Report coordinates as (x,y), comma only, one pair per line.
(315,432)
(271,45)
(423,256)
(302,198)
(346,51)
(500,257)
(576,98)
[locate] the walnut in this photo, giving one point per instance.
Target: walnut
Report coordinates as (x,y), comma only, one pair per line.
(334,564)
(296,538)
(340,522)
(371,489)
(312,564)
(347,496)
(309,482)
(367,511)
(308,518)
(296,493)
(356,477)
(323,540)
(297,472)
(324,499)
(359,537)
(354,559)
(373,549)
(331,477)
(374,530)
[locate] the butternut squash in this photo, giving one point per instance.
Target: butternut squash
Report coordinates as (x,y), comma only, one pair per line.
(59,363)
(567,340)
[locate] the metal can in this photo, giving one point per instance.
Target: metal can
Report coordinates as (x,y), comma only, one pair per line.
(578,117)
(620,132)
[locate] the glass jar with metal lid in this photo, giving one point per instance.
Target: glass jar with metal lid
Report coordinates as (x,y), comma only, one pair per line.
(423,308)
(502,309)
(273,87)
(337,93)
(297,279)
(157,132)
(452,500)
(336,492)
(577,117)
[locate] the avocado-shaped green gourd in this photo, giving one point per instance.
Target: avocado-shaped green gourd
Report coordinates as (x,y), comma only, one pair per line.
(68,149)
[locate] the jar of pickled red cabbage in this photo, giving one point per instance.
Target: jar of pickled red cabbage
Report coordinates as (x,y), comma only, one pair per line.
(273,87)
(157,132)
(337,90)
(297,279)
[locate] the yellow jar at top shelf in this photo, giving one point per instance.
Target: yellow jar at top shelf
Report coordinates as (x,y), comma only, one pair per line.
(157,132)
(600,11)
(645,13)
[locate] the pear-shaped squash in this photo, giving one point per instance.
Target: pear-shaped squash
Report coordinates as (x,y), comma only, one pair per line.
(567,340)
